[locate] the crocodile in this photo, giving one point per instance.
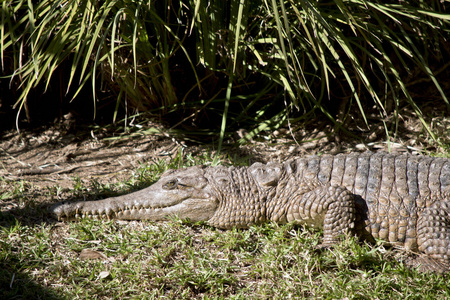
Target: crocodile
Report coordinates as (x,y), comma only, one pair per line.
(400,199)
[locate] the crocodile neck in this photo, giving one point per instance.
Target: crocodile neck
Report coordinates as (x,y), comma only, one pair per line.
(242,202)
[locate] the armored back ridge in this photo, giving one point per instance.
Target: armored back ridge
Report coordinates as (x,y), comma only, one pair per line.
(400,199)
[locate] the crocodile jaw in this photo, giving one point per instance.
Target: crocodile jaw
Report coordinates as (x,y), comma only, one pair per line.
(151,203)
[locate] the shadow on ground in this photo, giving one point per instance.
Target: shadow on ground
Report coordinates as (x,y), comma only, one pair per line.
(15,284)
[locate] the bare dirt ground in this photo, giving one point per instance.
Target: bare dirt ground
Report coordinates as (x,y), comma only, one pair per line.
(54,156)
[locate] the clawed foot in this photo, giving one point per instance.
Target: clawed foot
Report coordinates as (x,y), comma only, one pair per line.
(324,246)
(426,264)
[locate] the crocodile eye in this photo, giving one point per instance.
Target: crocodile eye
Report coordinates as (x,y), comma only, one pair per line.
(170,185)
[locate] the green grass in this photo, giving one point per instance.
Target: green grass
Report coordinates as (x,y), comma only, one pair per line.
(40,258)
(226,65)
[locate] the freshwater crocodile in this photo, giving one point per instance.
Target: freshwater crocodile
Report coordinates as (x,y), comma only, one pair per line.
(403,200)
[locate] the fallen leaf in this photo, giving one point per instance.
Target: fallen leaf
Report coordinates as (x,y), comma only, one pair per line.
(91,254)
(103,274)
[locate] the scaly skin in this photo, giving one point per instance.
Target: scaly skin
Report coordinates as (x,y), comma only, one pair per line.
(400,199)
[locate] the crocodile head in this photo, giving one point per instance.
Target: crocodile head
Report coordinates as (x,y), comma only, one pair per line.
(183,192)
(225,197)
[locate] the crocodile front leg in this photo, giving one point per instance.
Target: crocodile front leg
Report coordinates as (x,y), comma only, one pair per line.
(330,207)
(433,238)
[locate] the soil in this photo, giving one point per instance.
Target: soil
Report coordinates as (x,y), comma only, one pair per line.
(56,155)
